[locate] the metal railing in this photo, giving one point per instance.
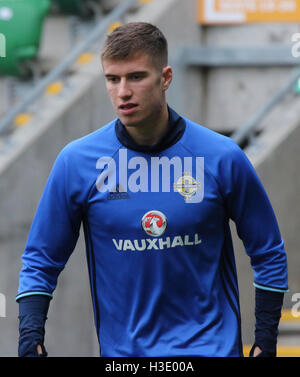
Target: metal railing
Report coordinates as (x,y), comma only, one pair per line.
(117,14)
(247,130)
(210,56)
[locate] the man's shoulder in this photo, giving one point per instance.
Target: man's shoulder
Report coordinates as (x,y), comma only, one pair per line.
(206,141)
(101,135)
(100,140)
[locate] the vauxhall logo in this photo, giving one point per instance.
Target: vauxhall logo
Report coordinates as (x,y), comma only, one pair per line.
(184,175)
(154,223)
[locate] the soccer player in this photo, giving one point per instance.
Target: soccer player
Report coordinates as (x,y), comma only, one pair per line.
(154,192)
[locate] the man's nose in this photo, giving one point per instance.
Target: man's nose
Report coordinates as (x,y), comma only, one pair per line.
(124,89)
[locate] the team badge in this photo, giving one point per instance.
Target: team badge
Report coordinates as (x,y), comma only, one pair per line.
(186,186)
(154,223)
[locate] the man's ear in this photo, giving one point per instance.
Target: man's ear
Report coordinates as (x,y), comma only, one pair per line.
(167,75)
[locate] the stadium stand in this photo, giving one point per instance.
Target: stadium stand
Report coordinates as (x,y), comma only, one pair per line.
(87,9)
(82,8)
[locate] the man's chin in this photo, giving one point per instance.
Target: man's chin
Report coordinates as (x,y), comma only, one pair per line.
(129,121)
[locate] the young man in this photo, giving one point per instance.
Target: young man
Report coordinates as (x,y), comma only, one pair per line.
(154,192)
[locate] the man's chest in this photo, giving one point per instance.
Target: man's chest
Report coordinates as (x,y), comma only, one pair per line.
(154,202)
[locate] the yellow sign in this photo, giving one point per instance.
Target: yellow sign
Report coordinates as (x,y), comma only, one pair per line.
(247,11)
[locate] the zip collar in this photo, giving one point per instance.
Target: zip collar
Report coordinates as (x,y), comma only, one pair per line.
(174,132)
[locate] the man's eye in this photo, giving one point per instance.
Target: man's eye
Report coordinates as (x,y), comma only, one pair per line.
(112,79)
(137,77)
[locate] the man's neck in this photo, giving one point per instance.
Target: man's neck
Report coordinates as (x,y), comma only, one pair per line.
(152,130)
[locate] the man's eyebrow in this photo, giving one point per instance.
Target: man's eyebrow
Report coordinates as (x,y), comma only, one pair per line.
(138,73)
(110,75)
(144,73)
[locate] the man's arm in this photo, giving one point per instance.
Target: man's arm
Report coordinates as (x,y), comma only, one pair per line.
(51,240)
(249,207)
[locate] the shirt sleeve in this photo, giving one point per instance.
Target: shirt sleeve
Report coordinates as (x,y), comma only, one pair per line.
(249,207)
(54,232)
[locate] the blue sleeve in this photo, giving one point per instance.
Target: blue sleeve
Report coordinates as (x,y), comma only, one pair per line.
(54,232)
(249,207)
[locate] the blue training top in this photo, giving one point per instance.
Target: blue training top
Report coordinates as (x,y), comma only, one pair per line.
(159,248)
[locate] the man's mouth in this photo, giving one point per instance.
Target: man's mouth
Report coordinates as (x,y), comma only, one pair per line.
(128,108)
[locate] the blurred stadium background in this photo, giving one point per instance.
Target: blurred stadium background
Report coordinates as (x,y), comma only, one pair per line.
(235,72)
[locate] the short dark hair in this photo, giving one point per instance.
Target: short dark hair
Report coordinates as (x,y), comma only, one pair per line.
(136,37)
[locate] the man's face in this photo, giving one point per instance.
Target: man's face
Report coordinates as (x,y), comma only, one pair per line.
(136,87)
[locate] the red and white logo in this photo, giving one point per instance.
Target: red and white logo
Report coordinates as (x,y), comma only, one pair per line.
(154,223)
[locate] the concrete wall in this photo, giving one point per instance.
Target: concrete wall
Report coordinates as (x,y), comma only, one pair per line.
(230,96)
(249,87)
(83,106)
(280,172)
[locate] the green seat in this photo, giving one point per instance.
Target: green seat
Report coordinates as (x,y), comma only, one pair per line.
(81,8)
(21,23)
